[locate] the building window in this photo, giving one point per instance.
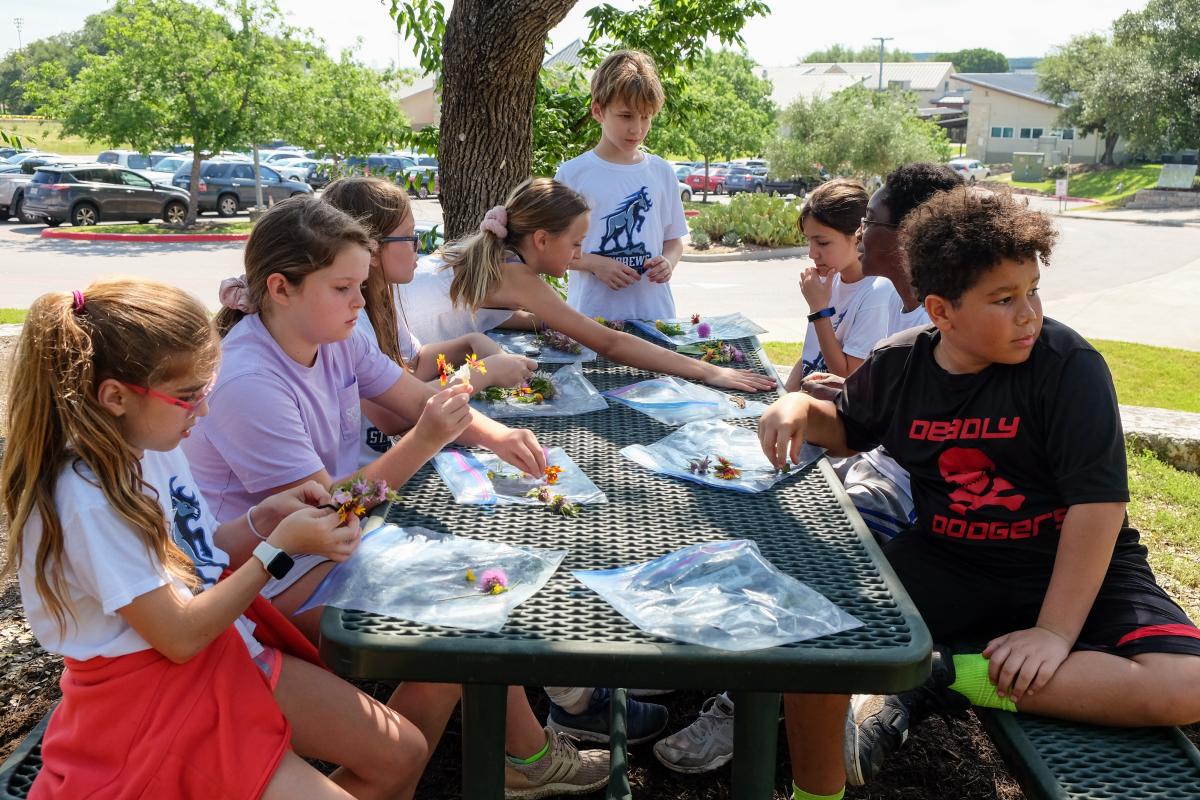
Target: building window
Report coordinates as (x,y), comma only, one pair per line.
(1068,133)
(1031,133)
(1002,133)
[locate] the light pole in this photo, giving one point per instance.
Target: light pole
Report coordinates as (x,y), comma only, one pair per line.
(20,23)
(881,40)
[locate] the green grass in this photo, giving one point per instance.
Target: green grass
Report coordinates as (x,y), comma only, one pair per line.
(206,226)
(1099,185)
(12,316)
(47,135)
(1164,506)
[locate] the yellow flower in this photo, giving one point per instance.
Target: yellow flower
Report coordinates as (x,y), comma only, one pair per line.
(497,588)
(470,576)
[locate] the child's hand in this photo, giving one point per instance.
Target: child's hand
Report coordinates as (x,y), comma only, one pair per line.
(823,385)
(659,269)
(741,379)
(318,531)
(1023,662)
(520,448)
(269,513)
(782,427)
(613,273)
(446,415)
(507,370)
(816,290)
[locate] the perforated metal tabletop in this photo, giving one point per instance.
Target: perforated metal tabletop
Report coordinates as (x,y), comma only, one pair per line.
(566,635)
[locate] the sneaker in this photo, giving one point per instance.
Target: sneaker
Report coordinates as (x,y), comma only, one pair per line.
(877,725)
(562,770)
(703,746)
(643,721)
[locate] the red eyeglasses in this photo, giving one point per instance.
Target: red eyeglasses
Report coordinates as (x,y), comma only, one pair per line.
(191,406)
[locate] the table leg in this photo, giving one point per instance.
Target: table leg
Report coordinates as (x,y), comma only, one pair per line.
(618,748)
(755,731)
(484,707)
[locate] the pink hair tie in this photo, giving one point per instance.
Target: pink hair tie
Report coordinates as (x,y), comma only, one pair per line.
(495,222)
(236,295)
(79,303)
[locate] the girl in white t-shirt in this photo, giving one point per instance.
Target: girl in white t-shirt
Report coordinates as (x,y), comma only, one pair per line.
(166,691)
(848,312)
(538,231)
(383,209)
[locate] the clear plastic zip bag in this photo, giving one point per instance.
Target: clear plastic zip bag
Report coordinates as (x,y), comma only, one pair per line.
(723,595)
(485,479)
(716,454)
(674,401)
(720,326)
(572,394)
(422,576)
(529,344)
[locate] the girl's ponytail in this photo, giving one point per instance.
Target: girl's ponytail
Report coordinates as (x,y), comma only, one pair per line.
(538,204)
(138,332)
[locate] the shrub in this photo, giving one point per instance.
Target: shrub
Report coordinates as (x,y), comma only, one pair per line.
(700,240)
(730,239)
(753,219)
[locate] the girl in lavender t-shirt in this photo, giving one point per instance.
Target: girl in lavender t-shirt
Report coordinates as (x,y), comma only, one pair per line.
(285,407)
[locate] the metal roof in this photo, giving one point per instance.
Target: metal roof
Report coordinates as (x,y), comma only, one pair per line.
(921,76)
(1020,84)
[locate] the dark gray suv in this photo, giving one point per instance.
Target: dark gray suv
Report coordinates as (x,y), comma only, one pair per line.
(228,186)
(88,193)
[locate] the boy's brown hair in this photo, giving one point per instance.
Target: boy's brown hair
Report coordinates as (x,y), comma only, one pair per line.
(631,77)
(955,237)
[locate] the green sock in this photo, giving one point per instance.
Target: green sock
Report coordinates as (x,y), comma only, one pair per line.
(800,794)
(972,682)
(533,758)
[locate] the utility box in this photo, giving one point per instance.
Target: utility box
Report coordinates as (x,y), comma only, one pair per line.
(1029,167)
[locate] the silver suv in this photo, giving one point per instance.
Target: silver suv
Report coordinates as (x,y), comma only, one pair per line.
(89,193)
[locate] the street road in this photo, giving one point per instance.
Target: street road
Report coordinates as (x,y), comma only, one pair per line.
(1114,280)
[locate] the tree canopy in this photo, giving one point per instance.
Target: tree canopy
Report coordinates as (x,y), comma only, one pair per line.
(1165,35)
(857,132)
(975,59)
(845,53)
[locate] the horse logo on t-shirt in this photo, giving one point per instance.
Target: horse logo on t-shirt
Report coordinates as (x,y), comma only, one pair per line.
(186,510)
(628,219)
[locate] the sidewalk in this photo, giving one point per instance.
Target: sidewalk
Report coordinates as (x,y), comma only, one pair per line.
(1175,217)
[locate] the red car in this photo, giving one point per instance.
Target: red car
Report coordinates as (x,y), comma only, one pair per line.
(716,180)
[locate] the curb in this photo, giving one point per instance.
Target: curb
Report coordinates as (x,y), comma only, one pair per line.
(1103,217)
(52,233)
(748,255)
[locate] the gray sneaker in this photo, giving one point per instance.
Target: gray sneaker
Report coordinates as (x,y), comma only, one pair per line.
(703,746)
(563,770)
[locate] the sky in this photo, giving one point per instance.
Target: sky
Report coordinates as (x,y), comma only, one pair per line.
(1014,27)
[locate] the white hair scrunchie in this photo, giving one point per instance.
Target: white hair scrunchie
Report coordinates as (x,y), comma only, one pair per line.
(235,294)
(495,222)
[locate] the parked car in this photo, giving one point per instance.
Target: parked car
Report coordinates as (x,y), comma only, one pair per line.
(796,185)
(12,184)
(280,157)
(743,179)
(129,158)
(403,169)
(308,170)
(20,156)
(716,180)
(228,186)
(89,193)
(685,192)
(163,170)
(971,169)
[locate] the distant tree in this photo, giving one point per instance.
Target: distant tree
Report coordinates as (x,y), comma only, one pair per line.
(65,49)
(844,53)
(975,59)
(489,53)
(1106,89)
(1166,33)
(858,132)
(346,107)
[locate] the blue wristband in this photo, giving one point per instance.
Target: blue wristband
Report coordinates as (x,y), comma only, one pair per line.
(822,314)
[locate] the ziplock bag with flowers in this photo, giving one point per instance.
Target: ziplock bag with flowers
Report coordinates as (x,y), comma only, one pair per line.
(674,401)
(573,394)
(526,343)
(721,326)
(723,595)
(682,453)
(422,576)
(485,479)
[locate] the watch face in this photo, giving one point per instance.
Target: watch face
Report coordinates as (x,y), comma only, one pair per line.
(280,565)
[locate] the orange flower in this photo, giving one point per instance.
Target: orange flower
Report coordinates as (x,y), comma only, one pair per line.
(445,370)
(552,473)
(476,363)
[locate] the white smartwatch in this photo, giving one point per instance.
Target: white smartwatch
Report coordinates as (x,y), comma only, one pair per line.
(276,562)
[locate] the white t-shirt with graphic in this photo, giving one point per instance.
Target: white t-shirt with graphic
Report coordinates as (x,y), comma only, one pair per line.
(864,311)
(635,208)
(105,566)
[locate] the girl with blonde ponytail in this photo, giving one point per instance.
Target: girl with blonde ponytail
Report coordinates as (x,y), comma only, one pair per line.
(116,557)
(539,231)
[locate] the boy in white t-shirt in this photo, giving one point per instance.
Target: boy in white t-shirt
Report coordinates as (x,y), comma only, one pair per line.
(635,235)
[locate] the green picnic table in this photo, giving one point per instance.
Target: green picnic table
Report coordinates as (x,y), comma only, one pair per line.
(565,635)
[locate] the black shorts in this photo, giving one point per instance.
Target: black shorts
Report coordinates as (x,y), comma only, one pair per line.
(964,598)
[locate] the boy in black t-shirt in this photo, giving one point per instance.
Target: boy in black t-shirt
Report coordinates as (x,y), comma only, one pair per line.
(1009,427)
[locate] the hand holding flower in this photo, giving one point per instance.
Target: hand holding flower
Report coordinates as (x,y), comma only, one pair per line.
(445,416)
(317,531)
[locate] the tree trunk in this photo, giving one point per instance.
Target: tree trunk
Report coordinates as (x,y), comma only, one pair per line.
(704,194)
(491,55)
(193,188)
(1110,145)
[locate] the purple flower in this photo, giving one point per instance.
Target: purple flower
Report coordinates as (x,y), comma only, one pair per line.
(704,330)
(738,355)
(493,581)
(360,488)
(342,497)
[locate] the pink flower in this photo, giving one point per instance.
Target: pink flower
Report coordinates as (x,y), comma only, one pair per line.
(493,581)
(342,497)
(703,330)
